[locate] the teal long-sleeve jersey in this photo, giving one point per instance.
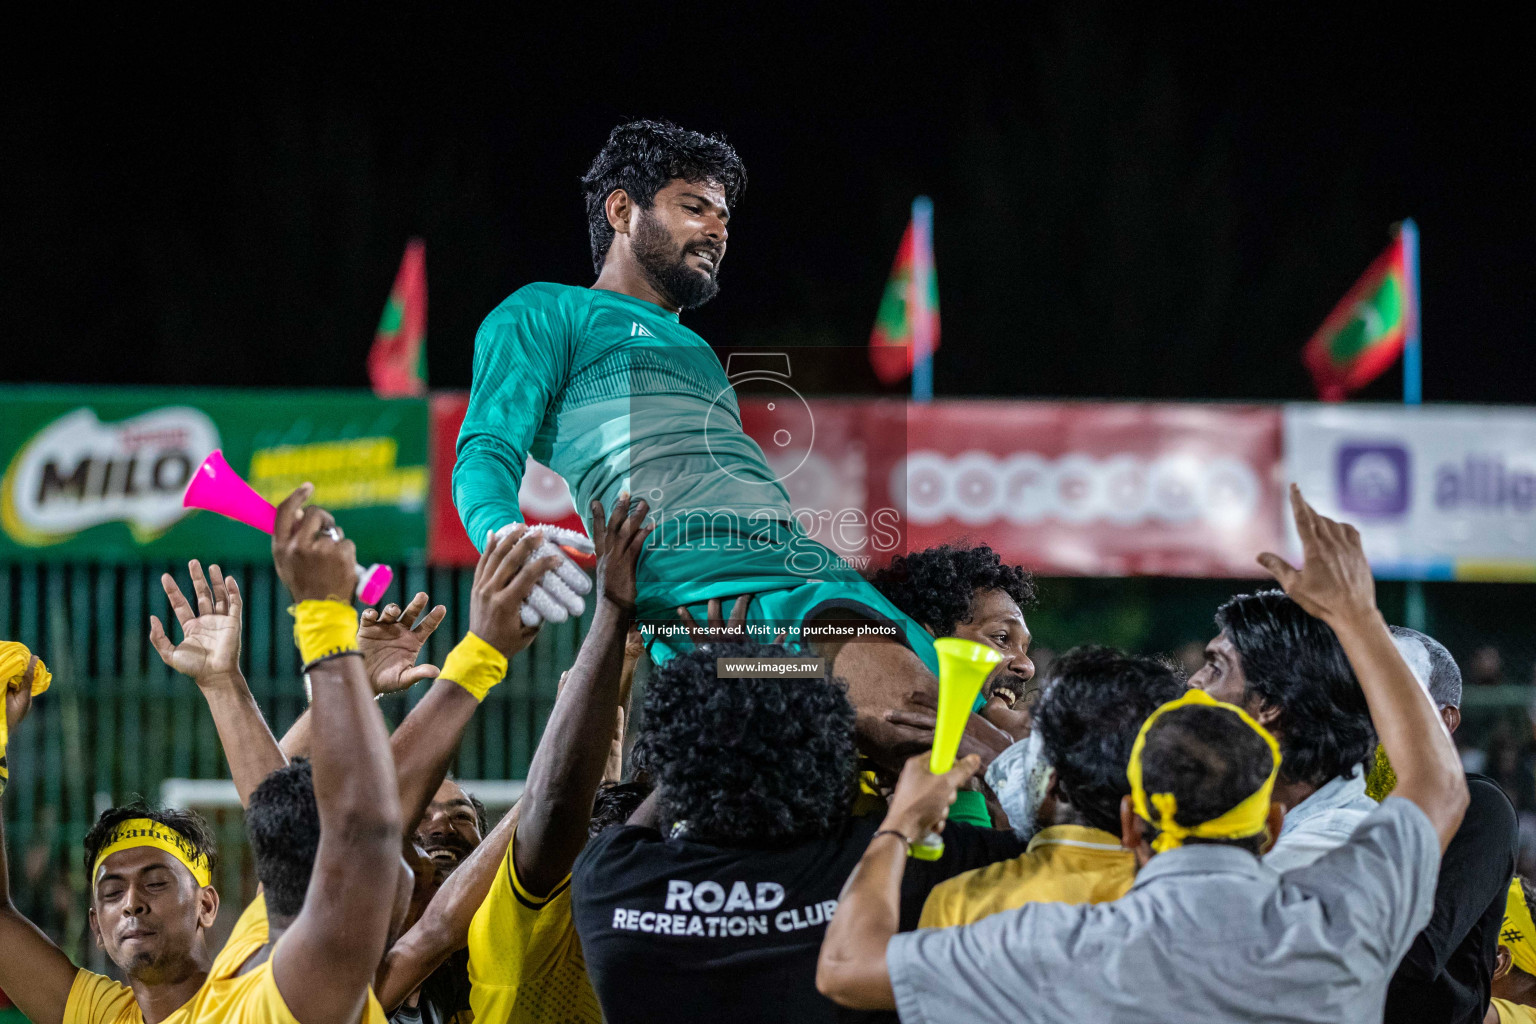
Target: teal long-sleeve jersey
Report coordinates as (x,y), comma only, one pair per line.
(614,394)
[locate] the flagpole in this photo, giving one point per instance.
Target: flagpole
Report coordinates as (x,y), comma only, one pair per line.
(922,274)
(1415,615)
(1413,368)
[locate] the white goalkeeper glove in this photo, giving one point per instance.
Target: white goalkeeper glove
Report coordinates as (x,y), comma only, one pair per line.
(558,594)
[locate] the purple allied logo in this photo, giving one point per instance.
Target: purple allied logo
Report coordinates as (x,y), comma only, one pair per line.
(1373,479)
(1484,483)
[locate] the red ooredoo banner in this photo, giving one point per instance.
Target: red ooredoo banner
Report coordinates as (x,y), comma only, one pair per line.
(1096,489)
(1063,488)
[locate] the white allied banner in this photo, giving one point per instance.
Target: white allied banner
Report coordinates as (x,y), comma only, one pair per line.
(1438,492)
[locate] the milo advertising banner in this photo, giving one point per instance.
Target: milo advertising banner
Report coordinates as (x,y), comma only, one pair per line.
(98,474)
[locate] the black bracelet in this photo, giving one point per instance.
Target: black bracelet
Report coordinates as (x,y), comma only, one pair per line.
(330,656)
(892,832)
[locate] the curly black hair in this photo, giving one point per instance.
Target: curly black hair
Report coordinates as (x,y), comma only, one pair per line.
(190,825)
(1293,662)
(283,822)
(1093,705)
(641,157)
(1210,760)
(755,762)
(614,804)
(937,585)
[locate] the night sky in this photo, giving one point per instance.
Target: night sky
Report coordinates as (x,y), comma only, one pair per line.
(1129,202)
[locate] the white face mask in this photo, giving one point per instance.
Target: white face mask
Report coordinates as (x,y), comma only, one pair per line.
(1021,778)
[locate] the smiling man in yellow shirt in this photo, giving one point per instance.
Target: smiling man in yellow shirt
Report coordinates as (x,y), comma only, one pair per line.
(154,864)
(1062,788)
(324,837)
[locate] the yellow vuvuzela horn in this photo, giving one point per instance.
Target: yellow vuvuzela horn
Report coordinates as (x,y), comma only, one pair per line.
(963,666)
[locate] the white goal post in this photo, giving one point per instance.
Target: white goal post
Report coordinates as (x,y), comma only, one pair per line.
(496,794)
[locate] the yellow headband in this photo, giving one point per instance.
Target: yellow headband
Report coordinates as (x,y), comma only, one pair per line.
(136,832)
(1518,932)
(1161,809)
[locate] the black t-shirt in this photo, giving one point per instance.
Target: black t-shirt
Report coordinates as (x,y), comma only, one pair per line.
(1445,976)
(676,931)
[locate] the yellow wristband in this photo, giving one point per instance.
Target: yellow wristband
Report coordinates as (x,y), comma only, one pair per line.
(475,665)
(323,628)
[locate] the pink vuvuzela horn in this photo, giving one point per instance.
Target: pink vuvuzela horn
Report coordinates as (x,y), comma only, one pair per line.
(218,488)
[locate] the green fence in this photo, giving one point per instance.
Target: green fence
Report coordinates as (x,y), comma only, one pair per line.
(117,722)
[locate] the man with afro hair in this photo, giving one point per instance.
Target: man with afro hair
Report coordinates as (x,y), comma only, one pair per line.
(723,882)
(971,593)
(954,590)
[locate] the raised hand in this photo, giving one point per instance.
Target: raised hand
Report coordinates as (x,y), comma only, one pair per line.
(312,558)
(1334,582)
(618,545)
(504,577)
(390,645)
(922,799)
(634,647)
(209,651)
(613,769)
(716,628)
(634,650)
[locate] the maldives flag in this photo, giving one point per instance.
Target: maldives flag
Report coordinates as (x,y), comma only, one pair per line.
(911,299)
(397,364)
(1364,334)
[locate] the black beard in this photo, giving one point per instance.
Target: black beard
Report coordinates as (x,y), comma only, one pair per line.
(665,266)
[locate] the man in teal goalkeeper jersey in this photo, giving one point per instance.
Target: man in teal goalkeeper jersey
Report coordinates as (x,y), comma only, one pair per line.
(606,386)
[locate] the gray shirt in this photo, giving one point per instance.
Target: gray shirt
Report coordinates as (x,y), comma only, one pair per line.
(1321,822)
(1207,934)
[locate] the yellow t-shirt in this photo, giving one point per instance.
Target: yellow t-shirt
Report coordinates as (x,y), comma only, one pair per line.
(225,998)
(525,961)
(1063,864)
(1514,1013)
